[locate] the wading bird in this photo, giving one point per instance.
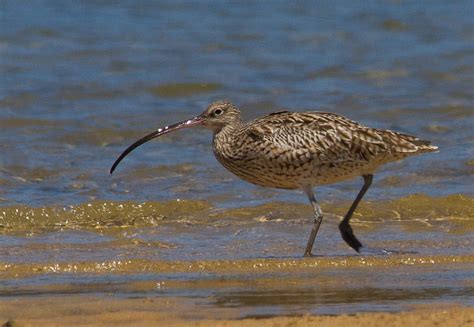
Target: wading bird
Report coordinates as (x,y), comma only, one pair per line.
(298,150)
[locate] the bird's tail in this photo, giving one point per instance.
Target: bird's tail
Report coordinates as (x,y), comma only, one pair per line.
(410,143)
(424,145)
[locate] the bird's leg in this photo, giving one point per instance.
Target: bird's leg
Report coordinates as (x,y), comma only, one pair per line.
(318,218)
(344,227)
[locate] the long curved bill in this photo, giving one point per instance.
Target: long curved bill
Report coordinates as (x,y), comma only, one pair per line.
(161,131)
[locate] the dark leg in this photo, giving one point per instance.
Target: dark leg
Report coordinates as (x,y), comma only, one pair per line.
(344,227)
(318,218)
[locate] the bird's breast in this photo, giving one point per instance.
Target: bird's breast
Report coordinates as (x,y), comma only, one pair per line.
(267,164)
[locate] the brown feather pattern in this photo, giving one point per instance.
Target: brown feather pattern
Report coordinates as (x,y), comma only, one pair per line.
(291,150)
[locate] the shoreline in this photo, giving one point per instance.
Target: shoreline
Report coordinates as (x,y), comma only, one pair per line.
(81,310)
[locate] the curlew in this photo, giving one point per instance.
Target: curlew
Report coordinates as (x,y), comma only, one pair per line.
(299,150)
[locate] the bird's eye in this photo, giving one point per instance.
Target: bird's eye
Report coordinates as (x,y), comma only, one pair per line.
(218,112)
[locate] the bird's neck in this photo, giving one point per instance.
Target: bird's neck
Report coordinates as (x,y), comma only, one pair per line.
(228,129)
(225,135)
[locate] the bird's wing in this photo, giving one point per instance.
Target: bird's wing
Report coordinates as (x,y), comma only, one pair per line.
(327,137)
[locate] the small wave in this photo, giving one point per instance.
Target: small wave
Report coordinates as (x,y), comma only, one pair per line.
(457,210)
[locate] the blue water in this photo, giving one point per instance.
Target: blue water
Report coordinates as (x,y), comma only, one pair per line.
(76,78)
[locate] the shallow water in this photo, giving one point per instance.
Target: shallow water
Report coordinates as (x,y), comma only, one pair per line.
(81,81)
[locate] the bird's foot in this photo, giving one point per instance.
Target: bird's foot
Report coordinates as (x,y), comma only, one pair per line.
(375,251)
(308,255)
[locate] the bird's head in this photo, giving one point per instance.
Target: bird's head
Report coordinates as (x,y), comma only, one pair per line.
(217,115)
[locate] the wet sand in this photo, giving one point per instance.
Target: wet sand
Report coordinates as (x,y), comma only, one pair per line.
(391,290)
(111,311)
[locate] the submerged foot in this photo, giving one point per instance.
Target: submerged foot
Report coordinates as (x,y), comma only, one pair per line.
(376,251)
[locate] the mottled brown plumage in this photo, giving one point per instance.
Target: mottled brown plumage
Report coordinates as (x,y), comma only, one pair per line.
(299,150)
